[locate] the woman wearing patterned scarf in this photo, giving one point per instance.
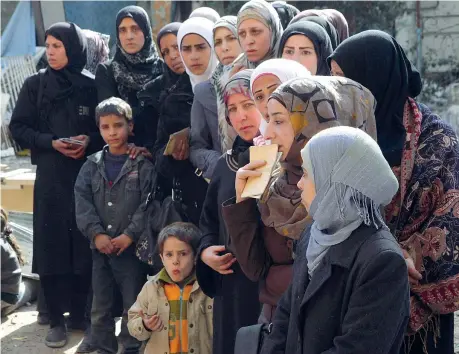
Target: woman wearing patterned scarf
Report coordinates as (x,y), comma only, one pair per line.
(262,233)
(423,153)
(348,266)
(218,273)
(136,62)
(98,50)
(227,48)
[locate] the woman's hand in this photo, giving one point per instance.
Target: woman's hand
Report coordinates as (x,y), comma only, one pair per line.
(413,275)
(220,264)
(243,174)
(134,151)
(182,151)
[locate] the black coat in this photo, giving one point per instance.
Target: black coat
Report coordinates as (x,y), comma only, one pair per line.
(58,246)
(145,117)
(356,302)
(233,308)
(172,96)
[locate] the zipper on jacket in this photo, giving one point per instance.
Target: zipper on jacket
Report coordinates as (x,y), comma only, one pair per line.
(180,320)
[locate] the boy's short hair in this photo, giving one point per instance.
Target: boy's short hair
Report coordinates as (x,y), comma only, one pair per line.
(183,231)
(116,106)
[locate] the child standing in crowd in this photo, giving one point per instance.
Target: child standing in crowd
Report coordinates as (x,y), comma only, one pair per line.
(109,193)
(171,311)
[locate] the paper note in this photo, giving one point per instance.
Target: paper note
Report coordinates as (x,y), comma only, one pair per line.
(256,186)
(175,139)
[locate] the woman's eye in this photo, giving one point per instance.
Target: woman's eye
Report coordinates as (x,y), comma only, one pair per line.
(232,109)
(255,32)
(288,51)
(259,98)
(217,43)
(278,122)
(306,52)
(232,38)
(241,34)
(248,105)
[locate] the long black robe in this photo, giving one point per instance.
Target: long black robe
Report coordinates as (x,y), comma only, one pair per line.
(235,297)
(58,246)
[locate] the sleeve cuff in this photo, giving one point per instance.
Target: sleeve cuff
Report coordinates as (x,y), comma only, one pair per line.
(245,211)
(45,141)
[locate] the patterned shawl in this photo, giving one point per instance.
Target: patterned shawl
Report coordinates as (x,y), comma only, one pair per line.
(424,215)
(133,71)
(315,103)
(98,50)
(220,76)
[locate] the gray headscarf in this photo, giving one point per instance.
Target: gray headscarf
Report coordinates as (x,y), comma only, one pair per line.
(262,11)
(352,180)
(219,78)
(98,50)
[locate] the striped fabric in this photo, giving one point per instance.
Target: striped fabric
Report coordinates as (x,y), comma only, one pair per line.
(178,304)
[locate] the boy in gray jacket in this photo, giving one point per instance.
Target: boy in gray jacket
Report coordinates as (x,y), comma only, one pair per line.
(110,192)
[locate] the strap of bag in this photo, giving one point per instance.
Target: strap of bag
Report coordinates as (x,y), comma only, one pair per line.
(41,88)
(152,195)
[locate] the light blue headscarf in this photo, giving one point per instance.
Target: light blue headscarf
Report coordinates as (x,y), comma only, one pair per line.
(352,180)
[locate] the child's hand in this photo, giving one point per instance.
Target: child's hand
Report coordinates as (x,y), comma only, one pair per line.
(153,323)
(121,242)
(103,244)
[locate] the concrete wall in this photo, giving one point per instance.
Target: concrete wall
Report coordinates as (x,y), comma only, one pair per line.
(440,33)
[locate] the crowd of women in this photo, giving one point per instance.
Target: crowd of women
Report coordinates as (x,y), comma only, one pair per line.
(353,247)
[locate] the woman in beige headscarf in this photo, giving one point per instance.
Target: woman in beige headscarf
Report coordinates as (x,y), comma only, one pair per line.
(262,233)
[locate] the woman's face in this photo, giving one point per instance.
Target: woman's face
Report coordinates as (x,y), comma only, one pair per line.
(131,36)
(262,88)
(335,69)
(279,129)
(170,53)
(255,39)
(244,116)
(308,190)
(195,53)
(55,53)
(226,45)
(301,49)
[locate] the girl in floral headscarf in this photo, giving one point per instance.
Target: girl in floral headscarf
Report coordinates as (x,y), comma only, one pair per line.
(262,233)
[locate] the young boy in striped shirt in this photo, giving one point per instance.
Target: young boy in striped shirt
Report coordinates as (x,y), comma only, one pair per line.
(171,311)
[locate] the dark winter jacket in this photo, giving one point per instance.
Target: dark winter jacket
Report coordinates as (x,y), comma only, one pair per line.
(145,117)
(116,209)
(172,96)
(357,300)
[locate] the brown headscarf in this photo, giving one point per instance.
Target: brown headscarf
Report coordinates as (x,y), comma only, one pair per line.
(315,103)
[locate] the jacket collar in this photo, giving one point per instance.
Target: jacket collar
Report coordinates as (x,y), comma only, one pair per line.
(342,255)
(129,165)
(163,277)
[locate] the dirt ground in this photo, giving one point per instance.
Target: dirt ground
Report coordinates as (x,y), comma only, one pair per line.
(20,334)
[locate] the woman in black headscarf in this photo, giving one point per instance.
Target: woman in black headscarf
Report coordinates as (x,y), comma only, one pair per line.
(285,11)
(423,153)
(307,43)
(59,102)
(319,17)
(136,62)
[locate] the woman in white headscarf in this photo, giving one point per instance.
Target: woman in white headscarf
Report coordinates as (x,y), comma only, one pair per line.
(268,76)
(348,265)
(195,39)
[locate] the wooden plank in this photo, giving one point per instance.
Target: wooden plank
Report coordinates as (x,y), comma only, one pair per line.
(23,179)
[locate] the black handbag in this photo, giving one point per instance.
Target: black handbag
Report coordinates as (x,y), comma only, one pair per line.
(159,212)
(249,340)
